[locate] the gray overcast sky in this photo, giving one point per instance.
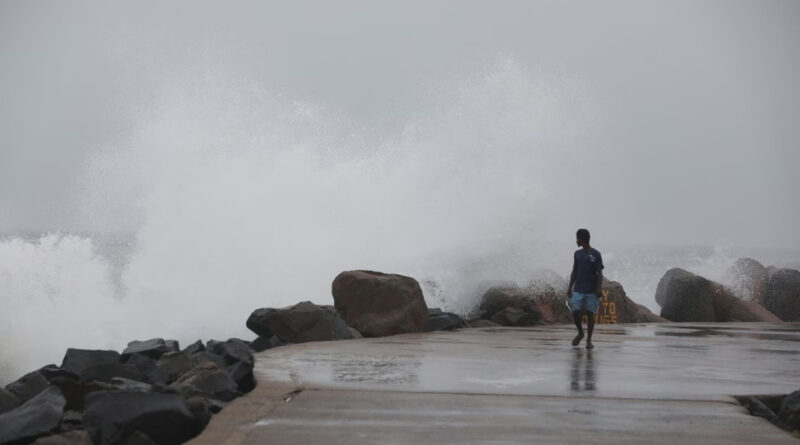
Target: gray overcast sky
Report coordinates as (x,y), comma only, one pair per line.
(708,89)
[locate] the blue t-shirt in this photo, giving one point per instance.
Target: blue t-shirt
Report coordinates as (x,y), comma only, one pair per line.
(586,266)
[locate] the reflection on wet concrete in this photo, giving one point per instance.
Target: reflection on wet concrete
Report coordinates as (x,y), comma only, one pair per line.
(388,369)
(629,361)
(582,376)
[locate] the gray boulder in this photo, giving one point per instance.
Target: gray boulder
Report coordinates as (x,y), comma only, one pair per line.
(233,350)
(790,411)
(76,360)
(746,279)
(684,296)
(300,323)
(79,437)
(542,304)
(207,380)
(175,364)
(107,371)
(263,343)
(378,304)
(439,320)
(483,324)
(28,386)
(153,348)
(37,417)
(782,294)
(8,401)
(194,348)
(111,417)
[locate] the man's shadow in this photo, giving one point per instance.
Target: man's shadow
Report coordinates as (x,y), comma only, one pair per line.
(582,371)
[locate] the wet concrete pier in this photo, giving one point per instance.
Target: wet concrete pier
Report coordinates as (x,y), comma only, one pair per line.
(663,383)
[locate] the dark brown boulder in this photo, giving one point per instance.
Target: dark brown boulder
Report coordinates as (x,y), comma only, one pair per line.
(782,294)
(746,279)
(684,296)
(378,304)
(616,307)
(544,307)
(300,323)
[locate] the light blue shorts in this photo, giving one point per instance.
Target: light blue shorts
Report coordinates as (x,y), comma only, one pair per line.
(580,300)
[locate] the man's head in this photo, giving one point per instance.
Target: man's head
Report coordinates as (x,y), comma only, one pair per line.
(582,237)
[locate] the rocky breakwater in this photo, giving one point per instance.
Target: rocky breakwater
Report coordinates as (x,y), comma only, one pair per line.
(543,301)
(151,393)
(684,296)
(776,289)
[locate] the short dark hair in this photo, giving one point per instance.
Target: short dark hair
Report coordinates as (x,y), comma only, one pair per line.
(583,235)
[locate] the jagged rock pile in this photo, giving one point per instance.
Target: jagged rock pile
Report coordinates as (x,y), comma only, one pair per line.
(151,393)
(543,302)
(753,293)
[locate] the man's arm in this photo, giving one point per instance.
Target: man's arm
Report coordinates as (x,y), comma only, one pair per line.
(599,289)
(571,280)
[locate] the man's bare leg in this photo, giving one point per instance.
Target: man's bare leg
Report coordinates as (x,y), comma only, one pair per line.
(576,316)
(590,328)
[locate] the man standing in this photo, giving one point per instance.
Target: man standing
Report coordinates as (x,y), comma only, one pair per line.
(587,278)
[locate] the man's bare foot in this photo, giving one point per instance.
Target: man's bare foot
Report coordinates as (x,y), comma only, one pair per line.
(589,344)
(577,339)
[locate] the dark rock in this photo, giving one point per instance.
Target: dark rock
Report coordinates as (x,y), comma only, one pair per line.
(107,371)
(512,316)
(234,350)
(8,401)
(149,368)
(153,348)
(138,438)
(199,406)
(207,380)
(483,324)
(378,304)
(439,320)
(684,296)
(111,417)
(782,294)
(51,372)
(264,343)
(206,356)
(76,360)
(747,279)
(194,348)
(790,411)
(174,365)
(128,385)
(75,391)
(79,437)
(616,307)
(28,386)
(71,420)
(300,323)
(545,306)
(242,374)
(37,417)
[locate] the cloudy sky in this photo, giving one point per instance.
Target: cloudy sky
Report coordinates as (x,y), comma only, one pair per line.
(695,134)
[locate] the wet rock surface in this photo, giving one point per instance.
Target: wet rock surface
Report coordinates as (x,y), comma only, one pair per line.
(378,304)
(123,399)
(38,416)
(300,323)
(782,294)
(684,296)
(439,320)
